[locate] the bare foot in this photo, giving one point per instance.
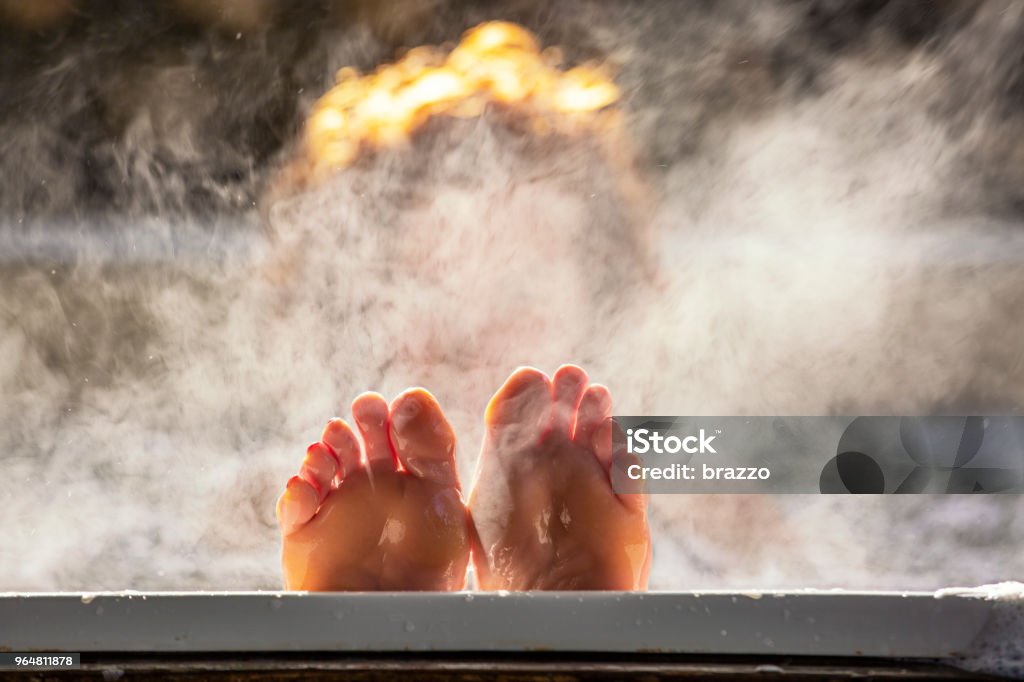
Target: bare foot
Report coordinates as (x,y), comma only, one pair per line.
(545,515)
(393,519)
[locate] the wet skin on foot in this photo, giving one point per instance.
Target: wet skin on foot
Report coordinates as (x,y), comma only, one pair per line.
(387,516)
(544,513)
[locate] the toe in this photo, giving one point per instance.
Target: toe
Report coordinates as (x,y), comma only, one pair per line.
(602,442)
(609,445)
(568,385)
(339,437)
(296,505)
(319,469)
(370,411)
(595,407)
(423,440)
(520,409)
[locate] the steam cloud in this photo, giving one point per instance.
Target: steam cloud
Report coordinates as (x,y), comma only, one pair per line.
(822,216)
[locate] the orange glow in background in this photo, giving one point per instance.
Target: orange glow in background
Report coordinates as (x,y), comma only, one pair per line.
(496,62)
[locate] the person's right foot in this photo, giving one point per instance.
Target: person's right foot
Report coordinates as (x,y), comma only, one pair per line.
(545,514)
(391,520)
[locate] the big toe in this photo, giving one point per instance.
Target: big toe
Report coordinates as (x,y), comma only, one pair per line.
(521,409)
(422,437)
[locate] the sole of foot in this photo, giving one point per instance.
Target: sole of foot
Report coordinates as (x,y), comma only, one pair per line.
(544,513)
(382,511)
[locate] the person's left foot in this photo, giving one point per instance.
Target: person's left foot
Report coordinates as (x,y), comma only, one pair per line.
(544,511)
(391,520)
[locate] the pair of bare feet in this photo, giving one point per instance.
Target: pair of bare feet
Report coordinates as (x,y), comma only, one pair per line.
(389,515)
